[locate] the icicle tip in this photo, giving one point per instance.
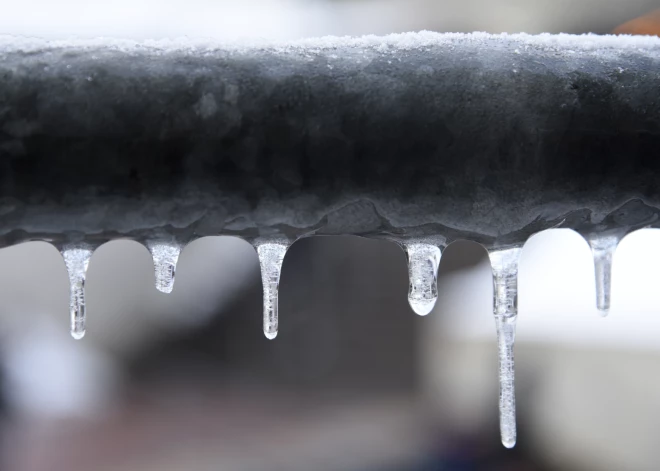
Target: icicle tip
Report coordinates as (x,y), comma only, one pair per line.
(77,335)
(422,307)
(270,335)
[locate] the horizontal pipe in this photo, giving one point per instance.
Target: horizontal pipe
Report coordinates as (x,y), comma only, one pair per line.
(486,137)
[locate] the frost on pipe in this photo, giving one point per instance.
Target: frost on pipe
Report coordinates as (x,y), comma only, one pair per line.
(419,138)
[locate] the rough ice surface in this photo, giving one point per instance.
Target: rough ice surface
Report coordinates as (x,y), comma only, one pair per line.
(165,256)
(568,44)
(505,307)
(423,262)
(77,260)
(271,256)
(602,249)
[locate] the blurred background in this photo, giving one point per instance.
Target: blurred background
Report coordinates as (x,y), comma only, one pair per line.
(355,381)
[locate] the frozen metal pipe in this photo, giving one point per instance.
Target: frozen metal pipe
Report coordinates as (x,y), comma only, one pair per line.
(490,138)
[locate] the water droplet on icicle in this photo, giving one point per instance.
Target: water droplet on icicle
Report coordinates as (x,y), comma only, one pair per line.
(602,249)
(77,260)
(423,262)
(505,307)
(271,256)
(165,256)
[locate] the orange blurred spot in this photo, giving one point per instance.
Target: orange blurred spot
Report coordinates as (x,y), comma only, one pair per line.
(644,25)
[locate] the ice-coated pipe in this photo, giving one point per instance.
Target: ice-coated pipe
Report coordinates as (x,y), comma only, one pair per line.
(485,137)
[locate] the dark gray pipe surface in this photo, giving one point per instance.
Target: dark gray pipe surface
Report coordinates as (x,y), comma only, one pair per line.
(490,138)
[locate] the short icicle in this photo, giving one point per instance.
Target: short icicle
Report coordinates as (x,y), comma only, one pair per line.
(602,249)
(423,263)
(165,256)
(76,259)
(505,307)
(271,255)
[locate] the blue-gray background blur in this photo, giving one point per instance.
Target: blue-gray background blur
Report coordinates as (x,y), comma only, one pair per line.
(355,381)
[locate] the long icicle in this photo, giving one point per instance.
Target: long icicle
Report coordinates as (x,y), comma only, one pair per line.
(76,259)
(271,257)
(505,308)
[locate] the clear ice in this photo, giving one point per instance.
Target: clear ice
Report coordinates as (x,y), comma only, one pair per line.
(423,262)
(77,260)
(165,256)
(602,249)
(271,256)
(505,307)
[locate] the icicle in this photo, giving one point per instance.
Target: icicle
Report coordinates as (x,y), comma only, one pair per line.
(165,256)
(423,262)
(76,259)
(505,308)
(602,249)
(271,256)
